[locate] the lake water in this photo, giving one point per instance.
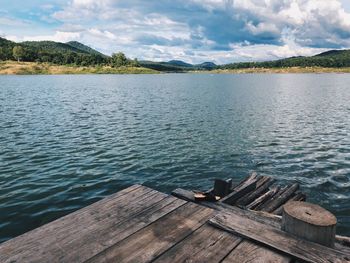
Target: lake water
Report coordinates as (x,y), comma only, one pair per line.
(68,141)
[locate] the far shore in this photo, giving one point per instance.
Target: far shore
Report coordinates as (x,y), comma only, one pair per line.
(281,70)
(34,68)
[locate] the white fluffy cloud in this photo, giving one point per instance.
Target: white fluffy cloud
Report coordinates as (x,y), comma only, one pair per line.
(315,23)
(201,30)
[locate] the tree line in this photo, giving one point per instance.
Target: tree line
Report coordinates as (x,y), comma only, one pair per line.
(22,53)
(337,60)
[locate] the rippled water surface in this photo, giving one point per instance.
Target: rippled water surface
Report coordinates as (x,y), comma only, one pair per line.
(67,141)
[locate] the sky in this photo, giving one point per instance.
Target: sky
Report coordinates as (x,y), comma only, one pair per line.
(221,31)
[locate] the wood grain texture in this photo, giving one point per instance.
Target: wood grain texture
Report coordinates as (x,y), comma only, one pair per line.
(309,221)
(151,241)
(228,209)
(281,199)
(207,244)
(249,252)
(244,188)
(262,199)
(278,239)
(262,187)
(259,216)
(100,239)
(297,197)
(58,240)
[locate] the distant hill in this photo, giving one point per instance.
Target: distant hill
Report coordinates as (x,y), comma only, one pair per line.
(163,66)
(6,43)
(207,65)
(335,54)
(76,53)
(84,48)
(51,51)
(52,46)
(328,59)
(177,66)
(179,63)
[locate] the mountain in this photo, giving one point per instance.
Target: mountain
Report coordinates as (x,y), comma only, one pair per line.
(6,43)
(328,59)
(179,63)
(177,66)
(52,46)
(335,54)
(74,52)
(163,66)
(53,52)
(207,65)
(84,48)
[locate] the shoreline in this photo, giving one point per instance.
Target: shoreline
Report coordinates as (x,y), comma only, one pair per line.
(35,68)
(289,70)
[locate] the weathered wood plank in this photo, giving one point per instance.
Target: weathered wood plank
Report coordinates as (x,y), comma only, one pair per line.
(253,175)
(259,216)
(278,239)
(280,190)
(249,252)
(262,199)
(225,208)
(207,244)
(97,240)
(281,199)
(262,187)
(243,189)
(148,243)
(298,197)
(61,236)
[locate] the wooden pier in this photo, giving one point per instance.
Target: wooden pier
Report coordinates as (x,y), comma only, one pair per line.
(139,224)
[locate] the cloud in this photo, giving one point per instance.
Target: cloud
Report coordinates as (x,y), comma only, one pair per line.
(58,36)
(201,30)
(314,23)
(12,22)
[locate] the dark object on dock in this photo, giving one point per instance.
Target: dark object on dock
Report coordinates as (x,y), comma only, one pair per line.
(139,224)
(222,187)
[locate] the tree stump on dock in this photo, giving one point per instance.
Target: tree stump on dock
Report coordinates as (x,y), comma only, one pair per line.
(310,222)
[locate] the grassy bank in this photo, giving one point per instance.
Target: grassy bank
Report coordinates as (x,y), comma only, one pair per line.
(283,70)
(33,68)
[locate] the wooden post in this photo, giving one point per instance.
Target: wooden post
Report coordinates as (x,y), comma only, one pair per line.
(310,222)
(222,187)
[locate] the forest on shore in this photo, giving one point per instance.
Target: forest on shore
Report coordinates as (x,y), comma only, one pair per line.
(47,57)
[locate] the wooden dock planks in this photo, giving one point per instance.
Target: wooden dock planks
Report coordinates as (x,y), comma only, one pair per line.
(139,224)
(158,237)
(249,252)
(278,239)
(59,239)
(207,244)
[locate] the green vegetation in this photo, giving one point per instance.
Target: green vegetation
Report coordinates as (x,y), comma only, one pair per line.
(31,68)
(329,59)
(71,53)
(282,70)
(177,66)
(46,57)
